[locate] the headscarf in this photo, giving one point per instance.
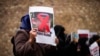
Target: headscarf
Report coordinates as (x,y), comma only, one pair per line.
(25,23)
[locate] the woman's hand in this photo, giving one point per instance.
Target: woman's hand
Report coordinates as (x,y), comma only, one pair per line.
(33,34)
(56,40)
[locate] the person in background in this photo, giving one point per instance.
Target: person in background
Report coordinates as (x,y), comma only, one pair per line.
(82,46)
(72,50)
(94,38)
(65,47)
(59,32)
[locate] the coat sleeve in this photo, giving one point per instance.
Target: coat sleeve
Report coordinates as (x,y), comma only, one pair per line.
(22,45)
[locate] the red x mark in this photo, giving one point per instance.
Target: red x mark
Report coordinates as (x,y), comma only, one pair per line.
(44,19)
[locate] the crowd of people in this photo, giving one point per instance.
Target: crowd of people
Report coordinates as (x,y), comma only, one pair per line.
(24,42)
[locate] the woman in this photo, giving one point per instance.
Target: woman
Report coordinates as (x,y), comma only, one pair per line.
(25,44)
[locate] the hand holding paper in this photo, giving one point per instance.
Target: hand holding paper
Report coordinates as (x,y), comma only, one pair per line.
(33,34)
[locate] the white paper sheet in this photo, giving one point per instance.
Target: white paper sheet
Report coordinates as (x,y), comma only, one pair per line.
(42,18)
(94,49)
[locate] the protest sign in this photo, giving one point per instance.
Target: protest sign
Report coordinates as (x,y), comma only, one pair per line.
(42,19)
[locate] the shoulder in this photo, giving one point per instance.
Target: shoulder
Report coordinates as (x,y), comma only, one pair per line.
(21,32)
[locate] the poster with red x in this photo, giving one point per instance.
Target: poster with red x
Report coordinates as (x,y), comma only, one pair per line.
(42,19)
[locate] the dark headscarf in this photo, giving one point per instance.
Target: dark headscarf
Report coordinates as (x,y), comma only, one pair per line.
(25,23)
(59,30)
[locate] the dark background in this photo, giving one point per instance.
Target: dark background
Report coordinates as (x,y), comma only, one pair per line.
(72,14)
